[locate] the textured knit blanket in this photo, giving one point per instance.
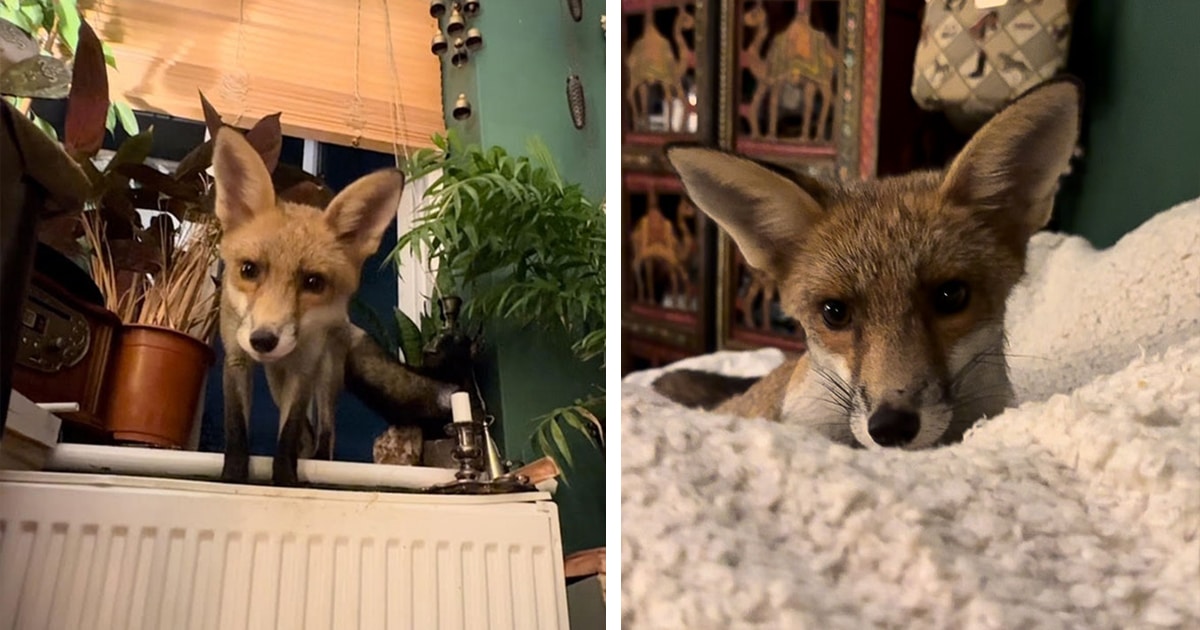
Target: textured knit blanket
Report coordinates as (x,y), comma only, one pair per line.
(1077,508)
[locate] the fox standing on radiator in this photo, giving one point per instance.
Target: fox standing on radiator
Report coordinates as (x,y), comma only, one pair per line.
(290,270)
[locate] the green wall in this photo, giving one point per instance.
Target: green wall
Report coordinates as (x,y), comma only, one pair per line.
(516,85)
(1140,62)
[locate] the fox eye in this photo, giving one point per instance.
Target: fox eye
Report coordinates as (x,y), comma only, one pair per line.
(314,283)
(835,313)
(951,297)
(249,270)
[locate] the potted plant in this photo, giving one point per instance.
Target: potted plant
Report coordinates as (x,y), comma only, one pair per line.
(170,306)
(521,246)
(157,276)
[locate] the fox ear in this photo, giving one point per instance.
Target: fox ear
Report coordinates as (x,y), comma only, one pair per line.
(1012,166)
(763,211)
(360,213)
(242,182)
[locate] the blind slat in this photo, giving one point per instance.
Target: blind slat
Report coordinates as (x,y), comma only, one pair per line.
(290,56)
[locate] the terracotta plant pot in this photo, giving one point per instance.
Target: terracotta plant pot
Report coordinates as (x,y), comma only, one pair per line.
(154,386)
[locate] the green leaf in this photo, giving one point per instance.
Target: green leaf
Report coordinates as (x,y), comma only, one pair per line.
(46,127)
(129,121)
(411,339)
(18,18)
(560,442)
(134,150)
(33,12)
(110,121)
(12,5)
(68,23)
(590,417)
(110,58)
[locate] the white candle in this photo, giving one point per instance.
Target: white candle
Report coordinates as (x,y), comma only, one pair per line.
(460,406)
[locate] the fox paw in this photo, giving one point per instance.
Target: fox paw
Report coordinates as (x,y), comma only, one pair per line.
(284,473)
(324,448)
(236,470)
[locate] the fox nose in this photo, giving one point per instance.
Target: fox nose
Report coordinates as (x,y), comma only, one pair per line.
(889,426)
(263,340)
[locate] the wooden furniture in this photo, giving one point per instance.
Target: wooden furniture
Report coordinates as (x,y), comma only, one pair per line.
(819,86)
(38,181)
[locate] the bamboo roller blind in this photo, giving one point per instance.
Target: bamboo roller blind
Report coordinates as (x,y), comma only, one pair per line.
(252,58)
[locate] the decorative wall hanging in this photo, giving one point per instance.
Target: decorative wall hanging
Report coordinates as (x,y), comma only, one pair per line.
(462,108)
(459,39)
(576,102)
(464,37)
(975,57)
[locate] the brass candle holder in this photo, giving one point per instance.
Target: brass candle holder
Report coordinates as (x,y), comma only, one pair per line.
(473,443)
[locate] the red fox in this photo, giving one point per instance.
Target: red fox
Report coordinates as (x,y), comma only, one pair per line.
(899,284)
(290,270)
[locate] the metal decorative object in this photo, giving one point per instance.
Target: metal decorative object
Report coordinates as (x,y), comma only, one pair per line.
(474,38)
(473,442)
(465,37)
(460,56)
(576,7)
(439,44)
(576,101)
(462,108)
(457,24)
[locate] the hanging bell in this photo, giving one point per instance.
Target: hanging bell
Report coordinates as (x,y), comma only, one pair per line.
(437,8)
(471,7)
(460,56)
(456,25)
(462,108)
(474,38)
(439,44)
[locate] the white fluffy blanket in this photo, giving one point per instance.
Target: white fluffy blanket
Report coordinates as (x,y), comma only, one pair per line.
(1080,508)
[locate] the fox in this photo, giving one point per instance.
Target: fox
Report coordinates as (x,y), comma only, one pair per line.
(290,272)
(898,283)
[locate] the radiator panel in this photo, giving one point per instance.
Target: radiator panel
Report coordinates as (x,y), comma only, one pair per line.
(126,553)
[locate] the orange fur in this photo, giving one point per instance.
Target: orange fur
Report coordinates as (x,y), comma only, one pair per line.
(920,266)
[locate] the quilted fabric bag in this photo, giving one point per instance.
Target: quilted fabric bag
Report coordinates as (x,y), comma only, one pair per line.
(976,55)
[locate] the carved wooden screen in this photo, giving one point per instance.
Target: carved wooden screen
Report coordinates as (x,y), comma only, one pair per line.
(667,77)
(803,92)
(664,282)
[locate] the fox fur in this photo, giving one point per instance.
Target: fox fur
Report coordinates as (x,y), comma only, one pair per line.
(900,283)
(290,271)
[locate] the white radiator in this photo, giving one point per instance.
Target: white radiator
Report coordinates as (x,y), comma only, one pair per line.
(95,551)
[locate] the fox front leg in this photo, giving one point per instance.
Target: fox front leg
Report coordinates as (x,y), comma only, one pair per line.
(237,382)
(329,386)
(294,428)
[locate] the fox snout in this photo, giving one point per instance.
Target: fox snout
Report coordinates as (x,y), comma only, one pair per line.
(267,343)
(264,340)
(890,426)
(915,417)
